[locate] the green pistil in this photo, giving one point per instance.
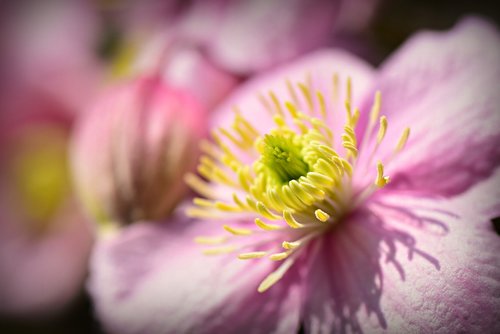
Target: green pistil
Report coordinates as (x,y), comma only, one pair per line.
(283,158)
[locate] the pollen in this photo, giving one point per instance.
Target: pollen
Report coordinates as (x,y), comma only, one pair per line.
(276,192)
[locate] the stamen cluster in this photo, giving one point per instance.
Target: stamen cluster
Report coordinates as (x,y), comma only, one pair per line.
(297,186)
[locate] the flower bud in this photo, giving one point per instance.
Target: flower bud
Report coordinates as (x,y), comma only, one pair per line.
(132,150)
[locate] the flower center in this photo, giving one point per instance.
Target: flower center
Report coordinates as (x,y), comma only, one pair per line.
(282,155)
(40,175)
(298,185)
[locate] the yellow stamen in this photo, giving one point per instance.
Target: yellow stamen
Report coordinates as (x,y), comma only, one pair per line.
(237,231)
(276,102)
(203,202)
(321,215)
(275,276)
(198,185)
(381,180)
(209,148)
(219,250)
(402,141)
(266,226)
(251,255)
(291,91)
(226,207)
(382,129)
(376,107)
(322,105)
(307,94)
(349,91)
(279,256)
(290,244)
(265,104)
(210,240)
(290,220)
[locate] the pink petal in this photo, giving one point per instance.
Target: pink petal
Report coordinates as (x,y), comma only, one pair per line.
(431,267)
(153,278)
(445,87)
(254,35)
(50,47)
(185,66)
(40,275)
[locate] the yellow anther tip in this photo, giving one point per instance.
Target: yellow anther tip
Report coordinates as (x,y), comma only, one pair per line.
(290,245)
(251,255)
(237,231)
(279,256)
(321,215)
(268,282)
(381,180)
(265,226)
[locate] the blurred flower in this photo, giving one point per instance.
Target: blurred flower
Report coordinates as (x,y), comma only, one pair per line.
(45,241)
(186,67)
(248,36)
(351,249)
(49,46)
(208,47)
(132,149)
(48,70)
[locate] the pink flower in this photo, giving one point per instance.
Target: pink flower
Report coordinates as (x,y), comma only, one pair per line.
(371,231)
(249,36)
(48,71)
(45,240)
(207,47)
(184,66)
(132,149)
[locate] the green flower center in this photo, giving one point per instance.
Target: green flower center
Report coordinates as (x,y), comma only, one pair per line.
(282,156)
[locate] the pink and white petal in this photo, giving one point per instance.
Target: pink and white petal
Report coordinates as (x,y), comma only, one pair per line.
(445,87)
(317,71)
(185,66)
(42,274)
(431,266)
(152,278)
(50,47)
(256,35)
(344,281)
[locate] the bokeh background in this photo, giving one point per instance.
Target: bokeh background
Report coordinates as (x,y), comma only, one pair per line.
(62,54)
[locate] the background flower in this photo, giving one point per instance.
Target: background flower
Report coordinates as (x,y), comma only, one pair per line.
(132,149)
(45,239)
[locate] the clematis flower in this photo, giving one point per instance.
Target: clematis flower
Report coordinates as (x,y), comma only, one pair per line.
(322,216)
(45,240)
(132,148)
(184,67)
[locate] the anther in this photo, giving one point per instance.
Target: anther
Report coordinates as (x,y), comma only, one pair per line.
(321,215)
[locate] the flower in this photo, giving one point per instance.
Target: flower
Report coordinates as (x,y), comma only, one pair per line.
(132,148)
(48,72)
(222,42)
(328,238)
(252,36)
